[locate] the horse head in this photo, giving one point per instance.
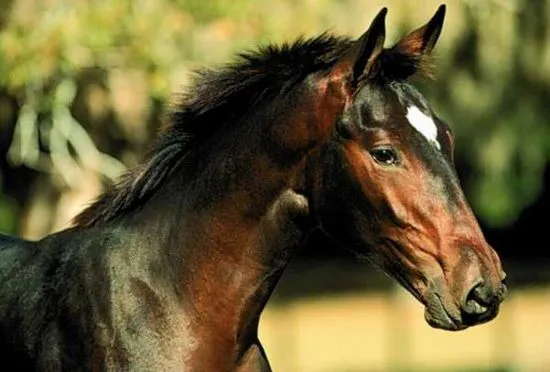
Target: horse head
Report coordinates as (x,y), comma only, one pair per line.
(386,188)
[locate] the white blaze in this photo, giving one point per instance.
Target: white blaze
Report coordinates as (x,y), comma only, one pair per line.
(423,124)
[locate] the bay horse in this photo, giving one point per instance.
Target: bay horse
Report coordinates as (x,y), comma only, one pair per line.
(171,268)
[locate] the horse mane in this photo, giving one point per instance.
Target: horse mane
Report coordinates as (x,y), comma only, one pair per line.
(220,97)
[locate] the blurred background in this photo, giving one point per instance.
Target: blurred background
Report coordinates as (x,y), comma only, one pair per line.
(84,86)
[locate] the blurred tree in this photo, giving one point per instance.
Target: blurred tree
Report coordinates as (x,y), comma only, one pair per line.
(84,85)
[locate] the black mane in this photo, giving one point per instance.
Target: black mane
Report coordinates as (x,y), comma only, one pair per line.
(221,97)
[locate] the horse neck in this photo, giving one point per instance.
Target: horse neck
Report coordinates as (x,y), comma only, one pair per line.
(227,262)
(229,224)
(237,264)
(226,238)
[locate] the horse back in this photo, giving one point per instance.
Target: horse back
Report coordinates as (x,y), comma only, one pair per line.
(14,253)
(9,241)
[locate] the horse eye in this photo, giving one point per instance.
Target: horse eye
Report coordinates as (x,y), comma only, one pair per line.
(384,156)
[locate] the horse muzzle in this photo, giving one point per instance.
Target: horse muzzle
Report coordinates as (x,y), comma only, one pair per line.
(477,304)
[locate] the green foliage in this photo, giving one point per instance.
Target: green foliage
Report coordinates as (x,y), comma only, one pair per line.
(493,70)
(8,213)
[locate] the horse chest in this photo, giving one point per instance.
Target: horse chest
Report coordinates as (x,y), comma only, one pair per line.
(211,355)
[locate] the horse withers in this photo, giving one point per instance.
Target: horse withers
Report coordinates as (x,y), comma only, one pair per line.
(171,268)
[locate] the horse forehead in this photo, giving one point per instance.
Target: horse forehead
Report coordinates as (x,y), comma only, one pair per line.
(418,113)
(424,124)
(372,106)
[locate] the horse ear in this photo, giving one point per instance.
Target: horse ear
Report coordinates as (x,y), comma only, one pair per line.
(361,55)
(422,40)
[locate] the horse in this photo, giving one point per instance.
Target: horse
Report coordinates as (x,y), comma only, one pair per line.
(171,267)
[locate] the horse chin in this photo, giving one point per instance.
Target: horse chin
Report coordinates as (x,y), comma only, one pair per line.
(444,316)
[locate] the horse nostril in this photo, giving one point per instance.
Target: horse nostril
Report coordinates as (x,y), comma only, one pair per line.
(476,301)
(481,302)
